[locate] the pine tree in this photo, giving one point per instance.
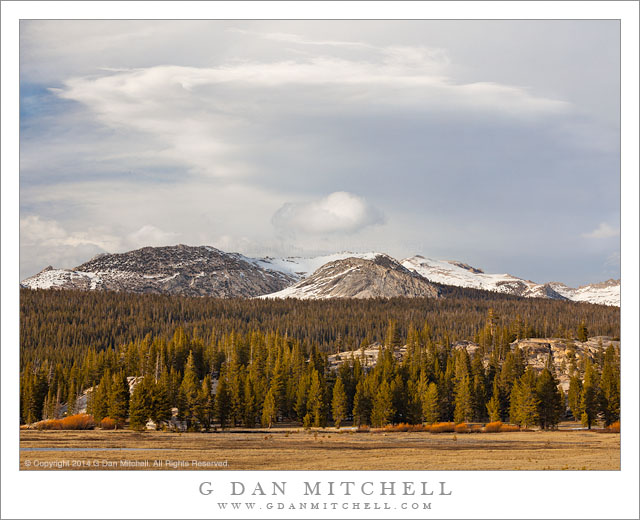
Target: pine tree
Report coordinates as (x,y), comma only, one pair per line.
(610,388)
(589,396)
(430,407)
(189,393)
(315,401)
(582,332)
(382,411)
(249,399)
(160,401)
(361,405)
(392,337)
(550,400)
(524,404)
(140,405)
(222,402)
(339,403)
(463,404)
(119,398)
(574,397)
(269,409)
(72,398)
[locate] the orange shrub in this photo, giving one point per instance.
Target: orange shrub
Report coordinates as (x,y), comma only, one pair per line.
(78,422)
(363,428)
(614,427)
(493,427)
(108,423)
(509,428)
(73,422)
(461,428)
(402,427)
(49,424)
(442,427)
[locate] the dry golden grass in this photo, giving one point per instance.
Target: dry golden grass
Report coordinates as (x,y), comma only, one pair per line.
(330,449)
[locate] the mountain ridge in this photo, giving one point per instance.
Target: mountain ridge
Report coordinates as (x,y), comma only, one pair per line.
(207,271)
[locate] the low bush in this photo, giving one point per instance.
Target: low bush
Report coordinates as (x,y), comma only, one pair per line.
(510,428)
(493,427)
(614,428)
(442,427)
(108,423)
(73,422)
(363,428)
(405,427)
(461,428)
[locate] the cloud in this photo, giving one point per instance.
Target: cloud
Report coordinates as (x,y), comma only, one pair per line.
(209,118)
(48,239)
(339,212)
(604,230)
(149,235)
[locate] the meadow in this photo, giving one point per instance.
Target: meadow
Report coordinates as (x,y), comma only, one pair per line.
(319,449)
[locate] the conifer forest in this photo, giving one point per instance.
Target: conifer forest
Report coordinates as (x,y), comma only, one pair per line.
(217,363)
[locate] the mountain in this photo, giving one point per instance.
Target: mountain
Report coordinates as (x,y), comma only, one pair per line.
(206,271)
(352,277)
(455,273)
(301,267)
(184,270)
(604,293)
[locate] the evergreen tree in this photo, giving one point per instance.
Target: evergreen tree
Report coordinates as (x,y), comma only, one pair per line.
(430,408)
(160,401)
(524,403)
(315,401)
(382,411)
(140,405)
(589,396)
(463,403)
(610,388)
(189,393)
(204,407)
(582,332)
(361,405)
(269,409)
(250,408)
(118,406)
(339,403)
(550,400)
(72,397)
(222,402)
(493,408)
(574,397)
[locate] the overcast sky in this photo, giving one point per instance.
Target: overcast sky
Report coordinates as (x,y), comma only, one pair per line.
(491,142)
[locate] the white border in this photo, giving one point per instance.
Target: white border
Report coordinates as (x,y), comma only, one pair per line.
(476,494)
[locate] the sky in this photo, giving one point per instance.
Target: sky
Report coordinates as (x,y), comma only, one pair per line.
(495,143)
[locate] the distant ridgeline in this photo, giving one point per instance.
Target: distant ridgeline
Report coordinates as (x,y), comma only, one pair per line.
(140,357)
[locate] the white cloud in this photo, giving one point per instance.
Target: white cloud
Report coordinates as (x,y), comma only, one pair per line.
(604,230)
(149,235)
(209,118)
(48,239)
(339,212)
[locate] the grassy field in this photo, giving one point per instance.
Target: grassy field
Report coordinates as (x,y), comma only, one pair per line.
(328,449)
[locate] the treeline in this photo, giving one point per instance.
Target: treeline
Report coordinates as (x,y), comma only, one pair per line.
(62,326)
(256,377)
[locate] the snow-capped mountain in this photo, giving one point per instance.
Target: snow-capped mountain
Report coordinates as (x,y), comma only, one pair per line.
(206,271)
(604,293)
(352,277)
(300,267)
(185,270)
(449,272)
